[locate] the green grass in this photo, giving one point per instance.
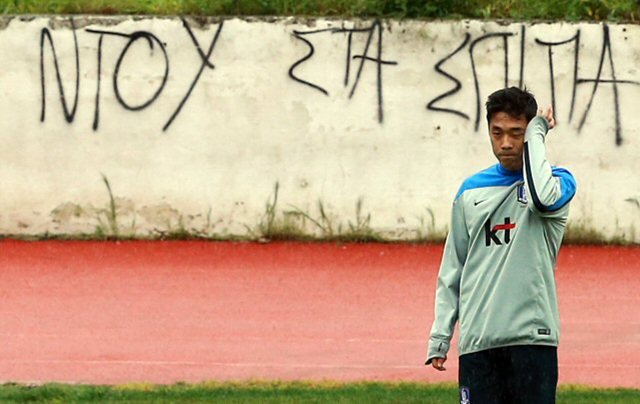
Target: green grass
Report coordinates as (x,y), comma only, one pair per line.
(278,392)
(612,10)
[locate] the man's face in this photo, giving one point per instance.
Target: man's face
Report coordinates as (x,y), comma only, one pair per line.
(507,139)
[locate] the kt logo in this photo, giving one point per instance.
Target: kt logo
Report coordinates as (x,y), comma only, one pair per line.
(491,235)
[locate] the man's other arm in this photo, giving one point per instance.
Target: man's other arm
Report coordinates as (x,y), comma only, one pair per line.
(448,287)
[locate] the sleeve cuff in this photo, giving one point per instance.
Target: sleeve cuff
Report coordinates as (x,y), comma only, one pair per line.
(437,349)
(537,126)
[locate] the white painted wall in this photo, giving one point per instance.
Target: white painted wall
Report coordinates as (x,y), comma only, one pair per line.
(248,124)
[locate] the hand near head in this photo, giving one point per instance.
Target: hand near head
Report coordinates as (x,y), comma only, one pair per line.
(438,363)
(547,114)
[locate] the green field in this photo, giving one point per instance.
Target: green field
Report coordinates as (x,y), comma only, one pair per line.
(571,10)
(279,392)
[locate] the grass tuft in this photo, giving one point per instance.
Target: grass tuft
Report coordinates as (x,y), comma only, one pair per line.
(360,230)
(292,225)
(111,231)
(274,227)
(585,234)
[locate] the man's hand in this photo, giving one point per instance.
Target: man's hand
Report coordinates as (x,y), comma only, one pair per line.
(438,363)
(548,115)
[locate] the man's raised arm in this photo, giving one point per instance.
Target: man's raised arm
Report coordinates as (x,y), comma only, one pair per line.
(548,189)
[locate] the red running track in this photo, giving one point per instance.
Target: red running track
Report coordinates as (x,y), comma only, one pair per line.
(161,312)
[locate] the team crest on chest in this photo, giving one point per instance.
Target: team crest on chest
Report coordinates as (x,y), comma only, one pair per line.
(522,194)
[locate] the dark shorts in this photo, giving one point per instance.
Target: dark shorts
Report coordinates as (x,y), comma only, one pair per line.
(515,374)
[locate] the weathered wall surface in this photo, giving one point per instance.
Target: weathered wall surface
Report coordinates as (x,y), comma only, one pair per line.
(194,122)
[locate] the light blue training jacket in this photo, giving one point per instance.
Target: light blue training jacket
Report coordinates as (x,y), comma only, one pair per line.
(497,272)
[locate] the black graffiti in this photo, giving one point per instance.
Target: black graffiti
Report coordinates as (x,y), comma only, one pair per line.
(68,115)
(458,85)
(132,38)
(354,66)
(606,48)
(377,60)
(96,113)
(606,56)
(116,88)
(523,34)
(606,51)
(154,43)
(504,36)
(206,62)
(300,35)
(375,29)
(576,40)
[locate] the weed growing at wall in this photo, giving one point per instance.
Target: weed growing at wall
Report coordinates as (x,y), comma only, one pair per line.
(586,233)
(323,223)
(292,224)
(360,229)
(277,227)
(275,224)
(112,218)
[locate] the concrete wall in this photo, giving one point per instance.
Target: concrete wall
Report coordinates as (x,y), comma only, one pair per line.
(194,122)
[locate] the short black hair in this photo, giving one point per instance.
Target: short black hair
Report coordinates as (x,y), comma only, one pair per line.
(513,101)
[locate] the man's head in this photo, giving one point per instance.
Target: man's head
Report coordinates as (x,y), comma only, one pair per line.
(508,112)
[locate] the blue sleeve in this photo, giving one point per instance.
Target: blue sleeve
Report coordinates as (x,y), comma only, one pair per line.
(567,187)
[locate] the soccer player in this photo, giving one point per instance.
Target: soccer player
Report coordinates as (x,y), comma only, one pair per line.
(497,272)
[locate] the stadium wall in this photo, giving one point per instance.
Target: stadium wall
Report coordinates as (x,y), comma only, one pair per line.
(146,126)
